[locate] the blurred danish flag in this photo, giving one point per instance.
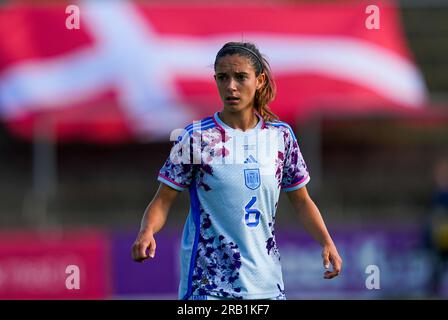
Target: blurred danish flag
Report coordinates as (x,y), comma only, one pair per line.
(136,72)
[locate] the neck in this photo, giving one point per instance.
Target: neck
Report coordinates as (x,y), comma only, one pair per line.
(243,120)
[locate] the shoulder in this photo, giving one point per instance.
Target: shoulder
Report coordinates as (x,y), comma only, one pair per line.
(205,123)
(197,125)
(283,127)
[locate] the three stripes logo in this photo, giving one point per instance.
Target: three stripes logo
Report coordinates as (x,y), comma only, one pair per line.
(250,159)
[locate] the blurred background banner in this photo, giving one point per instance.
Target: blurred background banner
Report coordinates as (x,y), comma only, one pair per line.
(131,66)
(153,279)
(403,268)
(34,265)
(380,262)
(37,265)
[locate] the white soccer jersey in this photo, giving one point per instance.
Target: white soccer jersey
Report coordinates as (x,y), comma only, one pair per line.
(234,178)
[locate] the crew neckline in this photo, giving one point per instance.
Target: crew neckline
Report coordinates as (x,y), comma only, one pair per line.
(227,127)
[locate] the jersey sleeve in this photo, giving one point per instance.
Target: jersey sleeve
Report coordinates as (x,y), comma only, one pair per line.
(295,172)
(177,171)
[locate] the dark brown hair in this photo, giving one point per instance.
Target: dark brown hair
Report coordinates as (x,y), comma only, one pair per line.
(266,94)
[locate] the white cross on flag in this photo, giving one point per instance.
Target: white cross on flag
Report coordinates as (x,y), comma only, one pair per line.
(138,71)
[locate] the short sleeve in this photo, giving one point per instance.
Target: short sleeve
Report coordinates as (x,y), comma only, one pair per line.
(177,171)
(295,172)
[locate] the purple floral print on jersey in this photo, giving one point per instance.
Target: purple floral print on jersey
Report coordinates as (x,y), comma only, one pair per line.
(281,295)
(290,166)
(204,169)
(271,243)
(279,167)
(186,162)
(218,261)
(179,174)
(294,171)
(211,141)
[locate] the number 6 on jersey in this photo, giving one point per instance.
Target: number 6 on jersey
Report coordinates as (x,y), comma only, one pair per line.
(252,216)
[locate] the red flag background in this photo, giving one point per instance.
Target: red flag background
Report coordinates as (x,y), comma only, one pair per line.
(135,71)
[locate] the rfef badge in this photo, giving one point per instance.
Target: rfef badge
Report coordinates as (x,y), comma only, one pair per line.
(252,178)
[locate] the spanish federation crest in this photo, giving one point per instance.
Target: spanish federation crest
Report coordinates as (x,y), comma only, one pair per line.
(252,178)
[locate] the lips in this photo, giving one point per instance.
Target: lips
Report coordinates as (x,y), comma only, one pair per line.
(232,99)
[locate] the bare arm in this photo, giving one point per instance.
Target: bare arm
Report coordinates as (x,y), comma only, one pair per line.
(152,222)
(313,223)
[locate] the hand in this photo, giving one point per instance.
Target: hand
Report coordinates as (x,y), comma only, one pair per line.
(145,241)
(330,255)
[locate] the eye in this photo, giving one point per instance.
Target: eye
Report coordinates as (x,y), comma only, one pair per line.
(241,77)
(221,77)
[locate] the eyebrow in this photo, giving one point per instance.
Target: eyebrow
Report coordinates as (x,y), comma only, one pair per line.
(238,73)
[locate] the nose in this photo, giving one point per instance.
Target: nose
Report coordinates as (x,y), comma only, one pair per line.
(231,85)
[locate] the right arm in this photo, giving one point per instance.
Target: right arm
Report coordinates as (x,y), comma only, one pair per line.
(152,222)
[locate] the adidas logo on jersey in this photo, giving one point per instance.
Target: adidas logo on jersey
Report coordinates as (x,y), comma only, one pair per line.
(250,159)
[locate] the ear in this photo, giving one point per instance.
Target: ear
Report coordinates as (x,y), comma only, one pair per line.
(260,80)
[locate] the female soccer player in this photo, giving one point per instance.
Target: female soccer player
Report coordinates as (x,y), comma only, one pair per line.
(234,164)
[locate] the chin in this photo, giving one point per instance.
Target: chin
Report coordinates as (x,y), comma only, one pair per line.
(234,107)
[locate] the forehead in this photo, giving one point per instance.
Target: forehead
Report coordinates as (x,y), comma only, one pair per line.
(234,63)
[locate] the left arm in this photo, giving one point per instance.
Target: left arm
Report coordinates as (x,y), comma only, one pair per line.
(314,224)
